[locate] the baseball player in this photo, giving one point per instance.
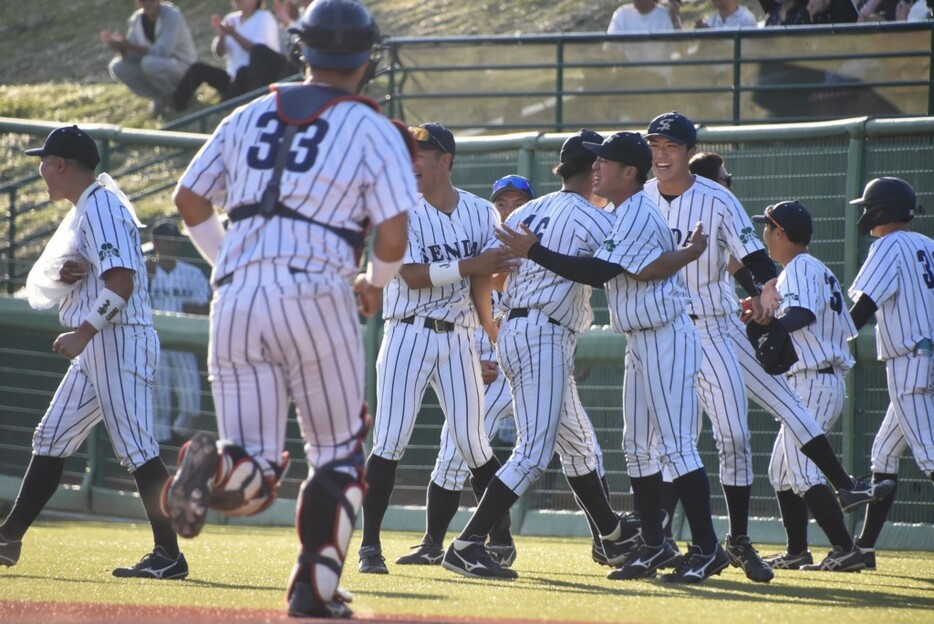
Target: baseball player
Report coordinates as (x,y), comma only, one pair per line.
(432,308)
(176,286)
(536,348)
(639,263)
(450,472)
(812,316)
(896,283)
(729,369)
(112,347)
(298,172)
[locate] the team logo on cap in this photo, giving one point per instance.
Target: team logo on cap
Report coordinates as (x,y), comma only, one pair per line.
(664,124)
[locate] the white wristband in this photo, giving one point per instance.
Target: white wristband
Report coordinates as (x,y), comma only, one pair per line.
(444,273)
(379,272)
(105,309)
(207,237)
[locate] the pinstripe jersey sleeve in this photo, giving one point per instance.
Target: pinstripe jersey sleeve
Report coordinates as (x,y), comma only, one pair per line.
(107,238)
(807,283)
(898,275)
(436,237)
(568,224)
(639,236)
(711,290)
(348,165)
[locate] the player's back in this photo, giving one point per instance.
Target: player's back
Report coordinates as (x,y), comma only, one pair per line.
(348,165)
(568,224)
(731,233)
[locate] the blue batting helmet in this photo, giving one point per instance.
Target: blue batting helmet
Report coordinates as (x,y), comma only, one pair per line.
(336,34)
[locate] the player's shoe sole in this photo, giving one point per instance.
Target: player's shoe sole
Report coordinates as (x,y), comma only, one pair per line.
(863,493)
(185,497)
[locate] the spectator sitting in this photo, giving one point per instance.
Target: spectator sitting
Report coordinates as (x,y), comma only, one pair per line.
(267,65)
(788,13)
(729,15)
(643,16)
(832,11)
(236,35)
(155,53)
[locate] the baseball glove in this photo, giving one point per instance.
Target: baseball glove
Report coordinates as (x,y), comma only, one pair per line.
(773,346)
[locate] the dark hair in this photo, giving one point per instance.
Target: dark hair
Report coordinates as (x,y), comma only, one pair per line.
(571,168)
(706,165)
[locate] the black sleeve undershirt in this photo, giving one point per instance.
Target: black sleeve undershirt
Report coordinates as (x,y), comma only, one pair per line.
(591,271)
(744,278)
(796,318)
(863,310)
(761,267)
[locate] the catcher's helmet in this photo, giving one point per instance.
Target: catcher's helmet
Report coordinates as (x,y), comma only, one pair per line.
(885,200)
(336,34)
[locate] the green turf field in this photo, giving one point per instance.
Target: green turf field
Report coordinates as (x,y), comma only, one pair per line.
(240,567)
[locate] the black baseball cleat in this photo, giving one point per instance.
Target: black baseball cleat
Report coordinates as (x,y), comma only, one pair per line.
(597,554)
(473,559)
(697,566)
(426,553)
(185,497)
(156,565)
(743,555)
(645,562)
(674,563)
(304,604)
(864,492)
(10,551)
(503,554)
(372,560)
(618,550)
(869,558)
(839,560)
(787,561)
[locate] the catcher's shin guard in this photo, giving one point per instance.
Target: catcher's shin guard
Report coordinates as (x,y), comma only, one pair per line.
(327,510)
(240,486)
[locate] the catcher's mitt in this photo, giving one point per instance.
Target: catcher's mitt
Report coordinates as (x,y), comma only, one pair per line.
(773,346)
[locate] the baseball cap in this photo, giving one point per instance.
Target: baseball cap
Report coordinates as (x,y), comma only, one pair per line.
(165,228)
(434,136)
(516,183)
(792,216)
(628,148)
(69,142)
(673,126)
(573,148)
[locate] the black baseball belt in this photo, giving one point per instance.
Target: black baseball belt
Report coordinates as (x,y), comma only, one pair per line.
(429,323)
(524,313)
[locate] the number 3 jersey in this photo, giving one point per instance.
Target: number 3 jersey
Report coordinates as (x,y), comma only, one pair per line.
(807,283)
(898,275)
(348,165)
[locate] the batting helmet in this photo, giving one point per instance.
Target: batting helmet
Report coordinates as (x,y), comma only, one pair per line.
(336,34)
(885,200)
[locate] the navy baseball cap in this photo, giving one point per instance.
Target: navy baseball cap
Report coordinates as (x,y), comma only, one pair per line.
(165,228)
(791,216)
(434,136)
(628,148)
(673,126)
(573,148)
(69,142)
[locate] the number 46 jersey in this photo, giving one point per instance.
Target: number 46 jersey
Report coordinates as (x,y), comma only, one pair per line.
(348,165)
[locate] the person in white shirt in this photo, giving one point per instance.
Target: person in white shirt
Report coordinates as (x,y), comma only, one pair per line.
(729,14)
(642,16)
(237,34)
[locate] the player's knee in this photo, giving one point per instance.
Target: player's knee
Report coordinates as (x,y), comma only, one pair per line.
(243,485)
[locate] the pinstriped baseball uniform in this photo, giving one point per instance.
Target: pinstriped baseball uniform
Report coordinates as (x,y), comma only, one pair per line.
(178,370)
(111,380)
(662,351)
(898,275)
(450,471)
(412,355)
(729,369)
(537,350)
(807,283)
(283,320)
